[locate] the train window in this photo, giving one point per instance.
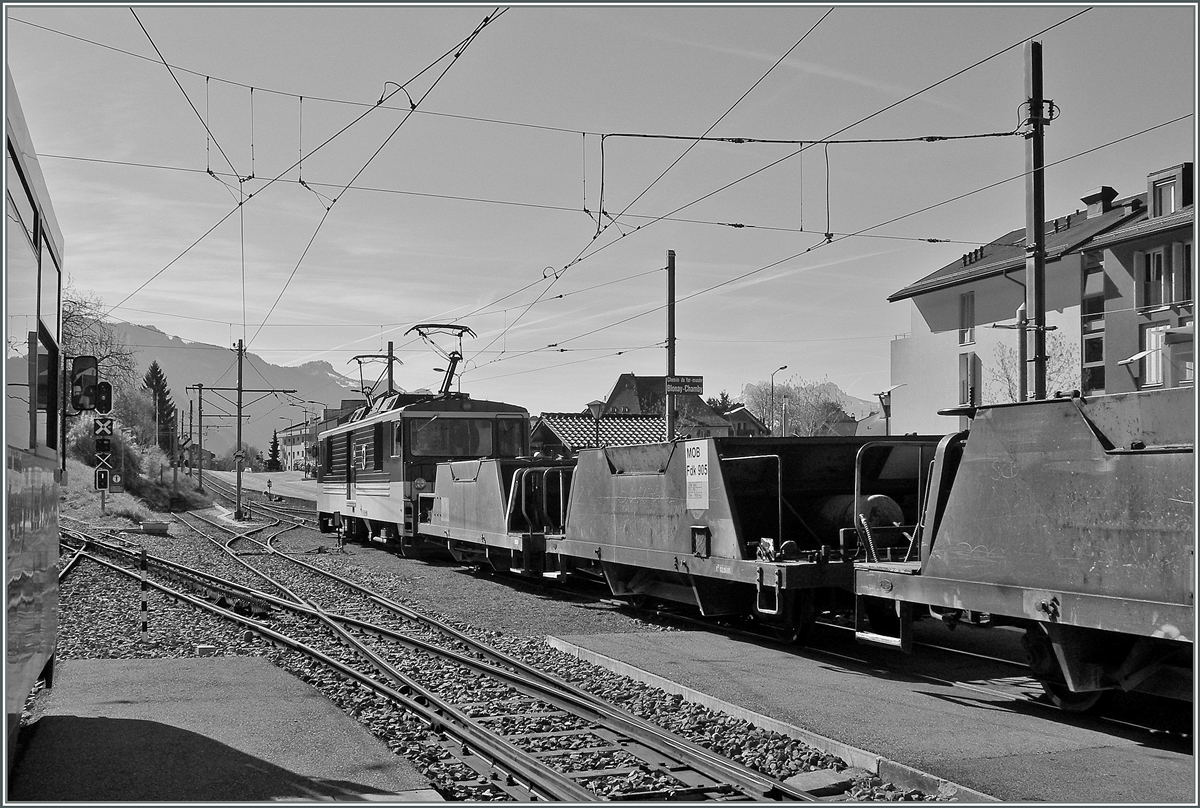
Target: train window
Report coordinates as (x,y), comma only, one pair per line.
(48,382)
(20,276)
(22,209)
(451,437)
(397,438)
(511,434)
(51,288)
(377,445)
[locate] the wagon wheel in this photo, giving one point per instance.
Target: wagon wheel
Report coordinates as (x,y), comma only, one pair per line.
(1069,701)
(1045,668)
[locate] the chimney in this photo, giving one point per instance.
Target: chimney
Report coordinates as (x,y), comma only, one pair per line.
(1099,200)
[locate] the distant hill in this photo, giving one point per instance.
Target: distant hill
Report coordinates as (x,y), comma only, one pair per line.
(857,408)
(187,364)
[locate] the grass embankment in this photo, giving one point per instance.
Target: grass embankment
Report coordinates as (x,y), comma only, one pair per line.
(80,499)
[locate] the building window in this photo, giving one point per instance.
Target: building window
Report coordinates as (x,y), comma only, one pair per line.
(1092,372)
(1156,278)
(1163,201)
(1183,285)
(1152,362)
(969,374)
(966,318)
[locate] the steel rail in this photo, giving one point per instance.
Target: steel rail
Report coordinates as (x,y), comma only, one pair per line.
(701,759)
(539,779)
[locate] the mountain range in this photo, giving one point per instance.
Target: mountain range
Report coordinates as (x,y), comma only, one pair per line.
(266,407)
(188,364)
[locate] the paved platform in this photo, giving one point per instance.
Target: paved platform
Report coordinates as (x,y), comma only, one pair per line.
(291,484)
(200,730)
(919,734)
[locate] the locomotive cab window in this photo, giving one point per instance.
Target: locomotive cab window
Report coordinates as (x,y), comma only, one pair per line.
(511,437)
(440,436)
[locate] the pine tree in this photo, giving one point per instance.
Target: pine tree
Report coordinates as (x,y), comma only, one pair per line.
(164,409)
(273,455)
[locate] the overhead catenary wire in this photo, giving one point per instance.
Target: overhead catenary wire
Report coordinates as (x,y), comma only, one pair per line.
(584,255)
(824,242)
(185,95)
(279,176)
(508,202)
(461,48)
(601,212)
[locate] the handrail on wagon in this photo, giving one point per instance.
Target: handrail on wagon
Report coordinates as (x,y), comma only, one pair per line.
(778,490)
(860,525)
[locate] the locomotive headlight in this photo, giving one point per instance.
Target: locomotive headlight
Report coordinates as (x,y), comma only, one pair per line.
(419,483)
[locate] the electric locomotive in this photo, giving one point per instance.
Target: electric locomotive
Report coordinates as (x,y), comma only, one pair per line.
(372,468)
(33,269)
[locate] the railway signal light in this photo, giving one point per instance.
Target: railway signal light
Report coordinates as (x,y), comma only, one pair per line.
(101,479)
(103,445)
(84,377)
(104,397)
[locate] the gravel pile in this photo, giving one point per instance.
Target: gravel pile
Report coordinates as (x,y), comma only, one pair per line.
(100,620)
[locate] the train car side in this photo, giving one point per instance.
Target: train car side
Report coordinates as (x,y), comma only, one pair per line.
(730,526)
(33,261)
(1074,519)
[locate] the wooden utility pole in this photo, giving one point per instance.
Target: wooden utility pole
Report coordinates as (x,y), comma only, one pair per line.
(670,342)
(1035,218)
(238,452)
(200,438)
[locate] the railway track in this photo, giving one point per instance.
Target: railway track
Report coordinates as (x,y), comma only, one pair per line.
(515,731)
(302,517)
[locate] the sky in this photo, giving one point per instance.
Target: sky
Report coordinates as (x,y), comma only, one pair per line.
(226,172)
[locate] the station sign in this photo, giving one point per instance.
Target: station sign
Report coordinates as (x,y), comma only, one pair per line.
(677,385)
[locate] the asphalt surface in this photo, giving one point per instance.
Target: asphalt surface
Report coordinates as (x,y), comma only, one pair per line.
(283,483)
(200,730)
(966,734)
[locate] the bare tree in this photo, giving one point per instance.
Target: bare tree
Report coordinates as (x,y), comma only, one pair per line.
(812,407)
(85,332)
(1062,369)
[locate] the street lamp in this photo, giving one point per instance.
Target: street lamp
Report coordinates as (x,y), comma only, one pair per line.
(596,408)
(885,403)
(771,416)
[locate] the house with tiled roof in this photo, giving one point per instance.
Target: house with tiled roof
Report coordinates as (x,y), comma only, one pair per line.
(1108,266)
(563,433)
(745,424)
(647,395)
